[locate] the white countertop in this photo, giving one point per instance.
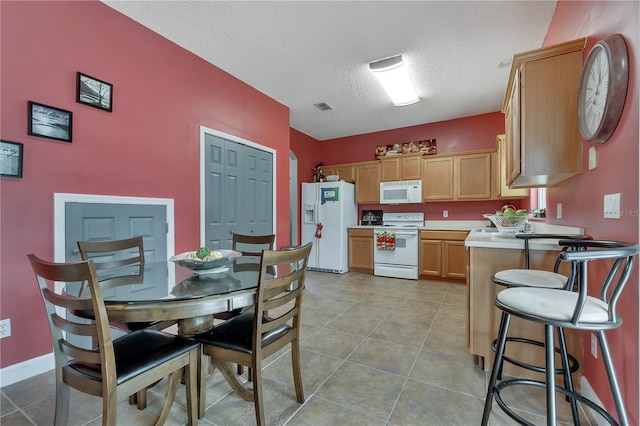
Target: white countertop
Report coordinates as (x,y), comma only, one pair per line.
(490,238)
(442,225)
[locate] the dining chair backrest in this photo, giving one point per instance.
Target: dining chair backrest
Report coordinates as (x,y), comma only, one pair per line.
(114,253)
(99,370)
(252,245)
(275,292)
(622,258)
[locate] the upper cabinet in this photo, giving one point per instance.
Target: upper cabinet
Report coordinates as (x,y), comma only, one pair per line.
(499,168)
(347,172)
(458,177)
(401,167)
(543,142)
(368,182)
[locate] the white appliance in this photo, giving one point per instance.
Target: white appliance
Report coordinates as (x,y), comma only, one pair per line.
(396,245)
(328,208)
(401,192)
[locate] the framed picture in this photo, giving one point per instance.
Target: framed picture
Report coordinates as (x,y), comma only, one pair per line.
(49,122)
(94,92)
(10,159)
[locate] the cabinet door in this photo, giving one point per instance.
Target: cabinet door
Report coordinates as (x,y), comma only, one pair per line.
(501,173)
(454,260)
(473,177)
(346,172)
(368,183)
(390,169)
(512,128)
(438,179)
(361,250)
(430,258)
(411,168)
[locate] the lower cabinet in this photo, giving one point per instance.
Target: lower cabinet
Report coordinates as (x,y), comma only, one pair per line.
(442,255)
(361,250)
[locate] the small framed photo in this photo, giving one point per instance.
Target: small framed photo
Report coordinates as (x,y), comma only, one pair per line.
(10,159)
(49,122)
(94,92)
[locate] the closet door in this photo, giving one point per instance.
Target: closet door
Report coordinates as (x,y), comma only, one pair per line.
(238,191)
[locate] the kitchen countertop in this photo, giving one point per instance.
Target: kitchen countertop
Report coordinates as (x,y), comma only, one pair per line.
(441,225)
(490,238)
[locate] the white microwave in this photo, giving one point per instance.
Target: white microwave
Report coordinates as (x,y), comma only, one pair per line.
(401,192)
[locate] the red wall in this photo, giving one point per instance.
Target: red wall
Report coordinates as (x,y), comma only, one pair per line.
(616,171)
(463,134)
(147,147)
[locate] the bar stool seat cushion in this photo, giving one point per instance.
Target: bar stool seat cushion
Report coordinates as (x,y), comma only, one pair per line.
(530,278)
(545,305)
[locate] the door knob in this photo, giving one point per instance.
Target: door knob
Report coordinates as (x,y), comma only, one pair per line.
(75,251)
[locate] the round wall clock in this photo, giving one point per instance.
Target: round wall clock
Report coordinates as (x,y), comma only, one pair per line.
(603,89)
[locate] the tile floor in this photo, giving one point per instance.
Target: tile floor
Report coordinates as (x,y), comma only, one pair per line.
(375,351)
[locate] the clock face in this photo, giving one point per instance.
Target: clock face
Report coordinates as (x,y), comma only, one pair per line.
(595,97)
(603,89)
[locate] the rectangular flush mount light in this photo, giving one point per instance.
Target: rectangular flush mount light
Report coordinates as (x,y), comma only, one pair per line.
(394,78)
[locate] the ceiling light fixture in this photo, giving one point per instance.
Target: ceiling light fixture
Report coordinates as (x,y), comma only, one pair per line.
(395,79)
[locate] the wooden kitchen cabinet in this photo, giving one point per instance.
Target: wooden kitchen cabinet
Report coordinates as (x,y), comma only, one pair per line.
(347,172)
(437,175)
(544,145)
(401,167)
(457,177)
(484,316)
(368,182)
(472,176)
(499,167)
(442,254)
(361,250)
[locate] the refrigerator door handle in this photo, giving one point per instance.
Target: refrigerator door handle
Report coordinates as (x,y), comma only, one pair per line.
(318,219)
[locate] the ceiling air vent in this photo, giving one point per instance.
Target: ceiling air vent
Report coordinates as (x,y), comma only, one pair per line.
(323,106)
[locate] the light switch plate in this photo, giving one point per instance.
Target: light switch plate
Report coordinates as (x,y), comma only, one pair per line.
(559,211)
(612,206)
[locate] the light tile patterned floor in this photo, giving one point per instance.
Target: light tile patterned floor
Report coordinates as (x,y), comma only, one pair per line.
(375,351)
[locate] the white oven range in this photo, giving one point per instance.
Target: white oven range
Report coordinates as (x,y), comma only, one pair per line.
(396,245)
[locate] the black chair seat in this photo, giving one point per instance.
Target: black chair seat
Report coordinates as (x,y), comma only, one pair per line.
(137,352)
(235,334)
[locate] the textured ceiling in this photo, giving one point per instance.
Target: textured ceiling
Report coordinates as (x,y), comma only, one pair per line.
(305,52)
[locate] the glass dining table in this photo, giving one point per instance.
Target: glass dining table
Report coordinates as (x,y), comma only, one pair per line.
(165,291)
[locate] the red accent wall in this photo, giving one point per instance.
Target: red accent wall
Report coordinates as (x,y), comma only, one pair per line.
(616,171)
(463,134)
(147,147)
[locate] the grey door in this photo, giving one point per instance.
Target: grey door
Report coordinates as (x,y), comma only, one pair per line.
(105,222)
(238,191)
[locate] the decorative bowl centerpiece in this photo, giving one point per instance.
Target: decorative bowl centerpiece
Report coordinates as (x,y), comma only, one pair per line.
(509,224)
(214,262)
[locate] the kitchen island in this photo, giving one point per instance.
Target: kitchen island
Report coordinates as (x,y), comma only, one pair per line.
(487,253)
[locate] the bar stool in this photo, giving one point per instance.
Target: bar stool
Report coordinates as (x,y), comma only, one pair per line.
(543,279)
(572,310)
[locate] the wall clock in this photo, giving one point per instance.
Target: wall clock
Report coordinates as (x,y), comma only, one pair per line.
(603,89)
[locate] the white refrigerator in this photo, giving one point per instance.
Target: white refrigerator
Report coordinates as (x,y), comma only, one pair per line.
(328,208)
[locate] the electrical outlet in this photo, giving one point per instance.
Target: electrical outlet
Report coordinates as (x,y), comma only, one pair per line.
(445,213)
(5,328)
(594,345)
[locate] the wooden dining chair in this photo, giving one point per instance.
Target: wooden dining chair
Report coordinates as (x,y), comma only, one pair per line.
(273,323)
(114,368)
(118,254)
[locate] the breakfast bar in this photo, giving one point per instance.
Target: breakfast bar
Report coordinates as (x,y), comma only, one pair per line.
(487,253)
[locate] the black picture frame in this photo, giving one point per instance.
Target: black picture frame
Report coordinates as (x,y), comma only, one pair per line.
(94,92)
(11,154)
(49,122)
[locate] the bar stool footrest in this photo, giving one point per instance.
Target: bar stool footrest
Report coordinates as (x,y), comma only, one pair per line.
(530,382)
(573,362)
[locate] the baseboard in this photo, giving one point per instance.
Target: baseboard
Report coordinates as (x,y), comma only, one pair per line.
(587,391)
(26,369)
